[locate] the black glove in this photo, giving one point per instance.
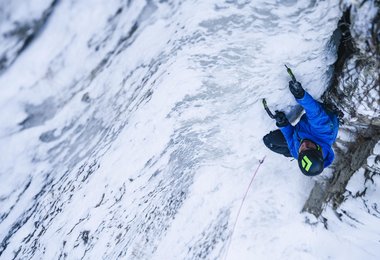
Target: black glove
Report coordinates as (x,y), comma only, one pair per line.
(281,119)
(296,89)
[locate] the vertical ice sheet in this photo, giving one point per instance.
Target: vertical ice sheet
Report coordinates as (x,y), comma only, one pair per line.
(136,126)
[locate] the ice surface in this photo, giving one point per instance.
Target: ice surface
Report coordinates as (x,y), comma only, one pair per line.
(131,129)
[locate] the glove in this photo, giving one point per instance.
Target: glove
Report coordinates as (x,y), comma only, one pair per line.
(281,119)
(296,89)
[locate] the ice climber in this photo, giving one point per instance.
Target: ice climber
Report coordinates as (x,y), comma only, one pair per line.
(310,140)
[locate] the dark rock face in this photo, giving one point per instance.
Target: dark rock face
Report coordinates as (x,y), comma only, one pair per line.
(333,191)
(355,90)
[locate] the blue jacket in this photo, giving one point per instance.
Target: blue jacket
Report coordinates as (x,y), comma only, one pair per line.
(316,125)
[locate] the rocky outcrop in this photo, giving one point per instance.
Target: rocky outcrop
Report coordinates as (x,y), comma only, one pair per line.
(355,90)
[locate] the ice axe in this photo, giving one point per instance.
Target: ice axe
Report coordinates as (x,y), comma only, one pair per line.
(290,73)
(267,108)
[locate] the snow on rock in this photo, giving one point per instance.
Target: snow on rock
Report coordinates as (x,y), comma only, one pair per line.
(131,130)
(352,191)
(360,78)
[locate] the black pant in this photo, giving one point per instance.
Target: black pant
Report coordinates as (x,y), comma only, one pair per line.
(276,142)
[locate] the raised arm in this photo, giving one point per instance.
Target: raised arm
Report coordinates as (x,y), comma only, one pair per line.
(288,131)
(316,115)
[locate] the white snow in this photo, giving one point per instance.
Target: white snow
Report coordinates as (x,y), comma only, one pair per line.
(141,143)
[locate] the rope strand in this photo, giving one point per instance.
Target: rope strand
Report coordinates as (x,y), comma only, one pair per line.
(241,205)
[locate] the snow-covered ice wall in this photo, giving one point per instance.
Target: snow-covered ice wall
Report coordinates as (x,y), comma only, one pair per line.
(131,129)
